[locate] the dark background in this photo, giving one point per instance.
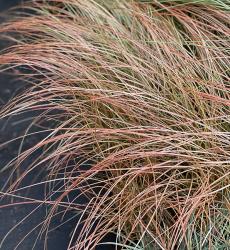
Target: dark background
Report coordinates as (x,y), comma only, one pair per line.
(29,216)
(11,215)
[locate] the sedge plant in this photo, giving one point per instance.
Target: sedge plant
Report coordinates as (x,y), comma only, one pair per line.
(140,92)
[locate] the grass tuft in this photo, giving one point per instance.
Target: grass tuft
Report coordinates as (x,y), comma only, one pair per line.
(142,90)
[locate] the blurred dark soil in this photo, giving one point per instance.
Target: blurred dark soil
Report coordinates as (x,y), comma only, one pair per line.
(10,216)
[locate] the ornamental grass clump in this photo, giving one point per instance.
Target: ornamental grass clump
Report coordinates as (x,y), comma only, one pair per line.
(140,92)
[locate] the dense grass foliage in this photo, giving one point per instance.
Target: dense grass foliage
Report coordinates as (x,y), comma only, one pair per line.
(142,89)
